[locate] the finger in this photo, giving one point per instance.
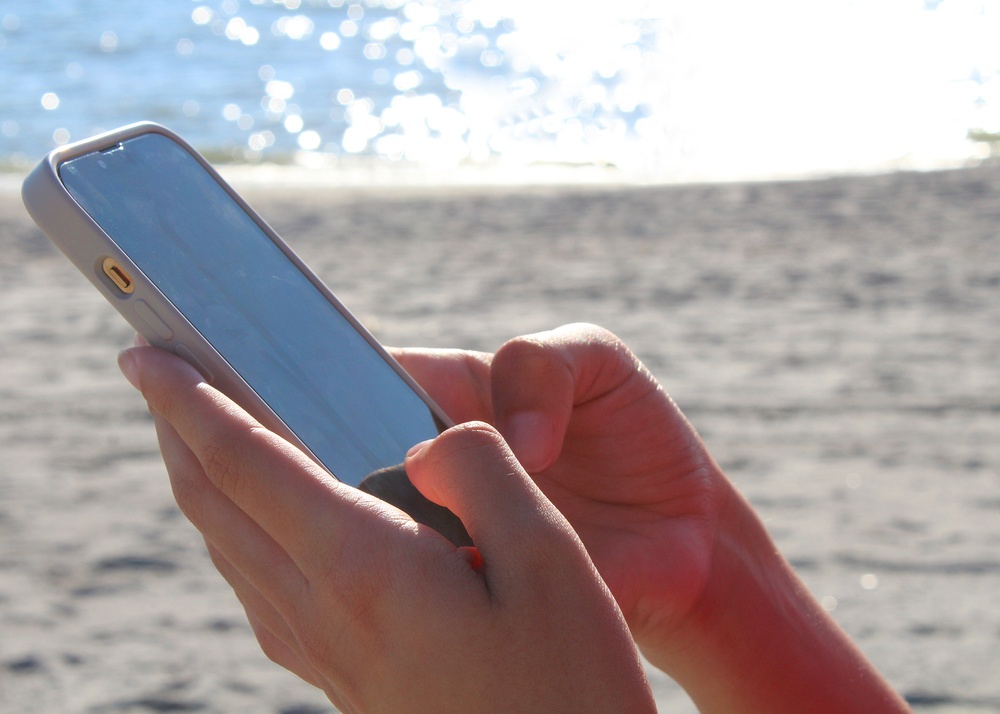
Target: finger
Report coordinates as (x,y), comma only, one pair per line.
(234,536)
(269,626)
(277,486)
(470,470)
(457,380)
(537,379)
(278,651)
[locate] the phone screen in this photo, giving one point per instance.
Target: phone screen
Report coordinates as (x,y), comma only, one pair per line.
(276,329)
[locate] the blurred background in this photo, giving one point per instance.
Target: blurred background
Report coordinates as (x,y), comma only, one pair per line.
(659,91)
(834,341)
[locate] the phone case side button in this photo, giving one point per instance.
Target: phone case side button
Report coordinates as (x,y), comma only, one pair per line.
(187,355)
(154,321)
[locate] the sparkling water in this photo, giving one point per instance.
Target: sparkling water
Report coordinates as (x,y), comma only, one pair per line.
(662,89)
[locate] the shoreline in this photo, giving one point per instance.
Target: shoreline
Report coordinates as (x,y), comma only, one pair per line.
(363,173)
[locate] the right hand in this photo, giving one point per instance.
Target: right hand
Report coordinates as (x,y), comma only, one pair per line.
(611,451)
(702,586)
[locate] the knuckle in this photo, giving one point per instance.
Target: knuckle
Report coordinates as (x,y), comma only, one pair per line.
(536,360)
(524,347)
(585,332)
(470,436)
(224,458)
(186,489)
(588,335)
(217,460)
(558,345)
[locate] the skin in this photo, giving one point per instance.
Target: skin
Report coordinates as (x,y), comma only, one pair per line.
(622,498)
(383,614)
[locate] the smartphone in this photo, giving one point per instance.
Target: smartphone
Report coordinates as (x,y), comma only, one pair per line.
(196,271)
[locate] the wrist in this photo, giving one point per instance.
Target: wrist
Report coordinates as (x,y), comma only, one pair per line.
(757,641)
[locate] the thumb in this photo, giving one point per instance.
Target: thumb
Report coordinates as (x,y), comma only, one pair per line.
(538,379)
(470,470)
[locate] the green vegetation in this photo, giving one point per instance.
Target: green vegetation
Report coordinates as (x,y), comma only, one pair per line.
(990,138)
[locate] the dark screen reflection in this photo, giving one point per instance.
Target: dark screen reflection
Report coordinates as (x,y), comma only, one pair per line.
(250,302)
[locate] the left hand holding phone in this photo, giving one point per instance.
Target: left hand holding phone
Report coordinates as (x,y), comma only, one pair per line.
(380,612)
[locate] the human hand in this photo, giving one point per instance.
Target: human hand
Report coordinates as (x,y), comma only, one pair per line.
(608,447)
(380,612)
(702,586)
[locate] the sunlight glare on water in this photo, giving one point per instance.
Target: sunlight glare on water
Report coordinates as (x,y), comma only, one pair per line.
(655,88)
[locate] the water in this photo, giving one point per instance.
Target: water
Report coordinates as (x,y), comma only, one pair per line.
(658,89)
(266,79)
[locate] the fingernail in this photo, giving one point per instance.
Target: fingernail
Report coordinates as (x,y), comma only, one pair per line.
(128,366)
(529,435)
(472,556)
(417,448)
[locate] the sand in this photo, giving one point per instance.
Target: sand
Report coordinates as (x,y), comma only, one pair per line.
(836,342)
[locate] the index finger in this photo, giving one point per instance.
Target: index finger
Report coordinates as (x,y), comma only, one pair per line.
(457,380)
(275,484)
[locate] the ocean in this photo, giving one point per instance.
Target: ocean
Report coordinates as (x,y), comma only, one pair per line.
(657,89)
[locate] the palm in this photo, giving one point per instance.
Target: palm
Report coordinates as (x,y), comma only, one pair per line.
(639,497)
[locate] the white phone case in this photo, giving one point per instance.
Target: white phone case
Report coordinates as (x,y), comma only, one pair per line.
(152,315)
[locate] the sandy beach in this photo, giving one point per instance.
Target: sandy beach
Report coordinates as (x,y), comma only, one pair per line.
(836,342)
